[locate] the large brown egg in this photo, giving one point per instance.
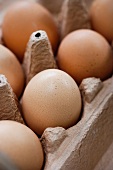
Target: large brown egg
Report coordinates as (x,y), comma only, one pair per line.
(85,53)
(23,18)
(21,145)
(11,68)
(101,14)
(51,99)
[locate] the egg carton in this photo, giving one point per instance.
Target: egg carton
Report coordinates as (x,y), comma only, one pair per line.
(88,144)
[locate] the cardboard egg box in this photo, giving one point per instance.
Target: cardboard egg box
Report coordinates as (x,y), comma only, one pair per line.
(88,144)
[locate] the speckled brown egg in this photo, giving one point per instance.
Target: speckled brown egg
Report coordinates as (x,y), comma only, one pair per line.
(85,53)
(12,69)
(101,14)
(21,145)
(51,99)
(23,18)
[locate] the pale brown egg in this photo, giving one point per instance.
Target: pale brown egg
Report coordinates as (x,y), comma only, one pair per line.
(101,14)
(12,69)
(51,99)
(21,145)
(23,18)
(6,163)
(85,53)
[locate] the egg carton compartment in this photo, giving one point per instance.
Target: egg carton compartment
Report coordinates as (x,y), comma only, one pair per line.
(88,144)
(90,140)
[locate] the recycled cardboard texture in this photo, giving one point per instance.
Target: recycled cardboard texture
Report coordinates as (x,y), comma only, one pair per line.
(38,55)
(9,105)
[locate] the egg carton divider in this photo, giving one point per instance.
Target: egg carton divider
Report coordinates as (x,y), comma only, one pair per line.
(9,104)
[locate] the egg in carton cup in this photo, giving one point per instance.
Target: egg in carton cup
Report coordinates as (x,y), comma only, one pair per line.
(85,144)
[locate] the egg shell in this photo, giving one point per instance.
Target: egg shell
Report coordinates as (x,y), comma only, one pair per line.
(23,18)
(101,14)
(21,145)
(51,99)
(6,163)
(85,53)
(12,69)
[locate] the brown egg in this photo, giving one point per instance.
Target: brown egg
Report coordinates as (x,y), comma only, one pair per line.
(23,18)
(11,68)
(101,14)
(21,145)
(85,53)
(6,163)
(51,99)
